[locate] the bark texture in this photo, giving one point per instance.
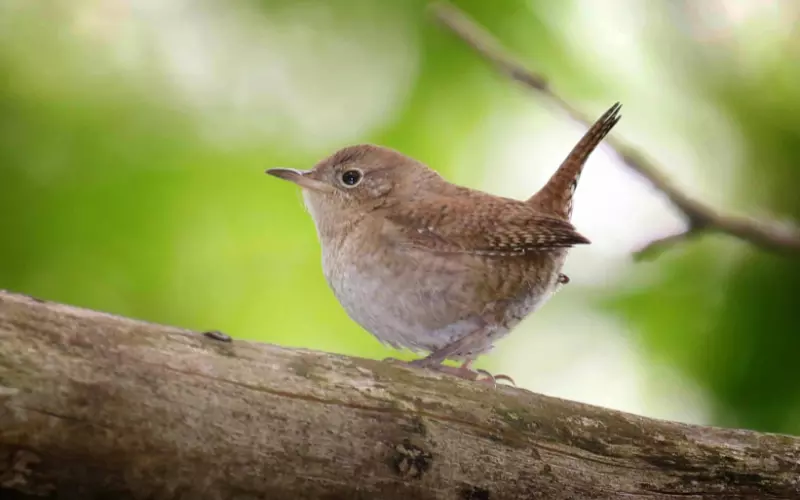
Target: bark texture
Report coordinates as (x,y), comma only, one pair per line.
(94,406)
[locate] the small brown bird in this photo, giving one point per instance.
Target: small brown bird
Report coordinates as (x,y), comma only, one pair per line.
(427,265)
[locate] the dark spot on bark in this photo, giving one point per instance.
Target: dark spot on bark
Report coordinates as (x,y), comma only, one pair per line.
(592,445)
(303,366)
(742,479)
(82,341)
(671,462)
(19,475)
(547,470)
(418,426)
(787,463)
(218,336)
(120,493)
(750,485)
(410,461)
(470,492)
(516,420)
(411,491)
(495,438)
(520,421)
(221,343)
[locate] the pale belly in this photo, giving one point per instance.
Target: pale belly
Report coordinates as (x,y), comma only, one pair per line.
(425,305)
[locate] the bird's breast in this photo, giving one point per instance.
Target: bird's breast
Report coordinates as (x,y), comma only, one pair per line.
(420,300)
(378,290)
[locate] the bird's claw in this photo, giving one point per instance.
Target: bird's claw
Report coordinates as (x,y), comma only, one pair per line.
(463,372)
(475,375)
(469,374)
(494,379)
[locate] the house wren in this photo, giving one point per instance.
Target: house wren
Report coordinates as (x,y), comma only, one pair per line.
(431,266)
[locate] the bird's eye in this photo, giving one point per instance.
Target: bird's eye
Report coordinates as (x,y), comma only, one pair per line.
(351,177)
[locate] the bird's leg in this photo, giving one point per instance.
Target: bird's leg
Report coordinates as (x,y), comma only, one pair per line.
(470,343)
(434,360)
(463,371)
(426,362)
(466,372)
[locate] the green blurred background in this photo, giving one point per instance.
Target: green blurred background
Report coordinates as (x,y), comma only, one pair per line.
(134,135)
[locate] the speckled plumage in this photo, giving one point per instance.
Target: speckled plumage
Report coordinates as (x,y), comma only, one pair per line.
(427,265)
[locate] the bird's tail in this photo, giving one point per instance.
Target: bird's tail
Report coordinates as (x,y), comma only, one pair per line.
(556,196)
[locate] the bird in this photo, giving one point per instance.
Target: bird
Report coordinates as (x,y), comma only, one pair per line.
(434,267)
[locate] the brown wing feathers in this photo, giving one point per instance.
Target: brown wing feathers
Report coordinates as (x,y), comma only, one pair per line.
(482,224)
(478,223)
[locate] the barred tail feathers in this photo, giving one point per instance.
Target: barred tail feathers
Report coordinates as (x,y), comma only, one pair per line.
(556,196)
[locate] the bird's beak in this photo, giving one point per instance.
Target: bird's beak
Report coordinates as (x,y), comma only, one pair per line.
(301,178)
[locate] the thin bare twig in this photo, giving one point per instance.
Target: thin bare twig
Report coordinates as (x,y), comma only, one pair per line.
(700,217)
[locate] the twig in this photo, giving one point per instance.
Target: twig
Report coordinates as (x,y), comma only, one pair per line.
(700,217)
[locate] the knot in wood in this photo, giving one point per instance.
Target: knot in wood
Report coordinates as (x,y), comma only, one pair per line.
(410,461)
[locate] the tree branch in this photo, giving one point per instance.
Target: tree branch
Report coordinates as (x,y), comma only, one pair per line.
(98,406)
(700,217)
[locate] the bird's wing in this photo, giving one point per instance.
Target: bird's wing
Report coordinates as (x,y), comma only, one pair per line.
(478,224)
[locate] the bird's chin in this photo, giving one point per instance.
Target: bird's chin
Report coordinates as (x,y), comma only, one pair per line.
(311,200)
(314,186)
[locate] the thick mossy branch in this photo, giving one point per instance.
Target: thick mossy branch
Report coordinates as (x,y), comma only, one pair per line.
(98,406)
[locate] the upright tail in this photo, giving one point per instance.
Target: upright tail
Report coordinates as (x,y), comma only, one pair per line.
(556,196)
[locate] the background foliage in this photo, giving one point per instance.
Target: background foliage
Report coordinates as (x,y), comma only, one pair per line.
(134,135)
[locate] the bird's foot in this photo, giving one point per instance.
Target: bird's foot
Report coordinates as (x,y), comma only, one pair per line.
(477,374)
(488,377)
(464,371)
(494,379)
